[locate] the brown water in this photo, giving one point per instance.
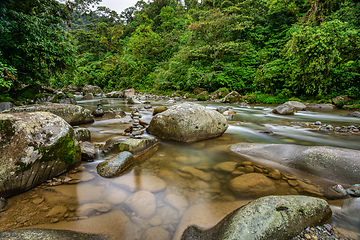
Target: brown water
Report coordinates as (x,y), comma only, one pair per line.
(173,185)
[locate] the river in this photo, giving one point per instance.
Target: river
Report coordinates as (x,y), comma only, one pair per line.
(158,198)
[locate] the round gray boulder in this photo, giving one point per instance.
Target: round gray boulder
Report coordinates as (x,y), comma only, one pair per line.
(296,105)
(272,217)
(188,123)
(284,109)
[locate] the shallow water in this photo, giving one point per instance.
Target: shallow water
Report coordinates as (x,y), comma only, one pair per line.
(175,184)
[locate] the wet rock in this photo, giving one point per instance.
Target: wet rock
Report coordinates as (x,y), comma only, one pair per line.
(34,147)
(226,166)
(88,152)
(232,97)
(111,114)
(147,106)
(320,107)
(229,112)
(275,174)
(196,173)
(159,109)
(133,100)
(222,109)
(6,105)
(88,96)
(135,146)
(341,100)
(317,123)
(296,105)
(206,215)
(72,114)
(188,123)
(94,90)
(115,94)
(129,92)
(89,209)
(41,234)
(98,112)
(143,203)
(354,114)
(157,233)
(244,105)
(335,164)
(252,184)
(114,166)
(82,134)
(281,217)
(80,177)
(351,209)
(143,182)
(284,110)
(335,192)
(354,190)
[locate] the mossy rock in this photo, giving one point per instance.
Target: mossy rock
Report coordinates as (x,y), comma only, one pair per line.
(135,146)
(35,147)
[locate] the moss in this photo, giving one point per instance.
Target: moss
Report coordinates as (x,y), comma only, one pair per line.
(64,150)
(7,128)
(22,167)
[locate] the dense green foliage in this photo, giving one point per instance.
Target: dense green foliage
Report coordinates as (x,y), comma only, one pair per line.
(266,48)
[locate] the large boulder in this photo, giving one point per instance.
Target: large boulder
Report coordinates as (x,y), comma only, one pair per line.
(95,90)
(299,106)
(336,164)
(114,166)
(272,217)
(73,114)
(284,109)
(232,97)
(34,148)
(188,123)
(6,105)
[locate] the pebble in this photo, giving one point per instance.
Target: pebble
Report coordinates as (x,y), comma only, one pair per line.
(324,232)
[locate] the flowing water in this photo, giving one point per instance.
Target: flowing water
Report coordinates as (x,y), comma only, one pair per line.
(175,184)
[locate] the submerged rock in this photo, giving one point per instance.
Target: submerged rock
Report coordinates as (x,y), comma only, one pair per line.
(34,147)
(188,123)
(252,184)
(335,164)
(114,166)
(42,234)
(73,114)
(143,203)
(272,217)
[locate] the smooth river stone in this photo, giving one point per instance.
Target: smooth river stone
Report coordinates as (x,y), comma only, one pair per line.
(89,209)
(143,203)
(141,182)
(226,166)
(252,184)
(177,201)
(196,173)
